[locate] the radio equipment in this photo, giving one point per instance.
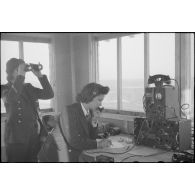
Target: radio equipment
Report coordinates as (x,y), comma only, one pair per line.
(170,134)
(161,101)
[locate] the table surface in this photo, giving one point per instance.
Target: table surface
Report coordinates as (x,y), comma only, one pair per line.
(125,151)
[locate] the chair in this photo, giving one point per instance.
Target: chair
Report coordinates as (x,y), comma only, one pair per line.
(55,147)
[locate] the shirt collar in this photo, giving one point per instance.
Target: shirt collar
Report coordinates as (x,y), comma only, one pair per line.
(84,110)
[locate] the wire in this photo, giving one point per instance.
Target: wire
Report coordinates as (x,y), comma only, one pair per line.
(136,142)
(96,152)
(181,106)
(188,106)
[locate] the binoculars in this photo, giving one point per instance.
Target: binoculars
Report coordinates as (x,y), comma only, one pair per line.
(36,67)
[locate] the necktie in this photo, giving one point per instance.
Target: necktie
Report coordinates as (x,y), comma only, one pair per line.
(88,117)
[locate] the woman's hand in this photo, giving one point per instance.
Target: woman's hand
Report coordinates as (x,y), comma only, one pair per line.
(104,143)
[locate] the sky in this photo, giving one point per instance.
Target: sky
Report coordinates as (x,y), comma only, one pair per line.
(161,56)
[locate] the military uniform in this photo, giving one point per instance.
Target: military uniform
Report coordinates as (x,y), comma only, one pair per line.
(21,135)
(81,132)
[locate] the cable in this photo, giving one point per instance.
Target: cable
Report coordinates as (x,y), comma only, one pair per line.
(106,152)
(140,131)
(181,106)
(188,106)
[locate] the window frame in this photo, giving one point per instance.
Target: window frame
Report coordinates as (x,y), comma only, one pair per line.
(105,36)
(21,38)
(101,37)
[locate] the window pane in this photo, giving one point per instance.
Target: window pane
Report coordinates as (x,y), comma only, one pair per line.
(132,72)
(162,53)
(107,59)
(9,49)
(35,53)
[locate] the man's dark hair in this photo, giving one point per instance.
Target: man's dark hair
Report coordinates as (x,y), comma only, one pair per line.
(90,91)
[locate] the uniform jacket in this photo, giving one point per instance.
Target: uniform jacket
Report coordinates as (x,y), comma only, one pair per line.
(82,135)
(20,102)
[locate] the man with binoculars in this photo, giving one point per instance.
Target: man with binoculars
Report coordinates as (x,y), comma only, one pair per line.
(20,99)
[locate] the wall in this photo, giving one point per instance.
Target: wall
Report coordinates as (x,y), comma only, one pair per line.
(62,74)
(3,154)
(81,60)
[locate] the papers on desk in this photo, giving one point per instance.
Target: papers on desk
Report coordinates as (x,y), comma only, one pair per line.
(116,144)
(120,144)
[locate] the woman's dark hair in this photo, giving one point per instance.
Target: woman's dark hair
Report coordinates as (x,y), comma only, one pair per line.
(90,91)
(11,65)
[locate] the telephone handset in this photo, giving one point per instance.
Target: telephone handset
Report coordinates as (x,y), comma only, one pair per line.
(159,79)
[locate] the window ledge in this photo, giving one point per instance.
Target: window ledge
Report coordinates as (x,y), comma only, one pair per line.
(118,116)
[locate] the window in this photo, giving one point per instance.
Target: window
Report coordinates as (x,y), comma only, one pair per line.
(162,54)
(9,49)
(108,70)
(124,63)
(32,52)
(35,53)
(132,72)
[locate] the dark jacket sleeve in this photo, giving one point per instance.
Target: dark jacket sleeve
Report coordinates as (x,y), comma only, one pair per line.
(93,132)
(46,92)
(78,139)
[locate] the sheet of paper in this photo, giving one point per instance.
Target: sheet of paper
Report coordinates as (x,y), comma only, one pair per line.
(117,145)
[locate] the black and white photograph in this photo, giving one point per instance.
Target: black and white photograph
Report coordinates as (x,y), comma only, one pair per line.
(97,97)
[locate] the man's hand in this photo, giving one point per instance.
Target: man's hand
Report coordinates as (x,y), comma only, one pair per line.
(21,69)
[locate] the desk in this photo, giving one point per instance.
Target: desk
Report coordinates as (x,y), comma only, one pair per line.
(128,153)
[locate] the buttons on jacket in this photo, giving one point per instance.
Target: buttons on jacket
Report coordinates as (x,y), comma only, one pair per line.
(19,108)
(19,121)
(19,113)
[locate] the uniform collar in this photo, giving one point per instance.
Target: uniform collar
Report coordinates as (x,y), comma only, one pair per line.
(84,110)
